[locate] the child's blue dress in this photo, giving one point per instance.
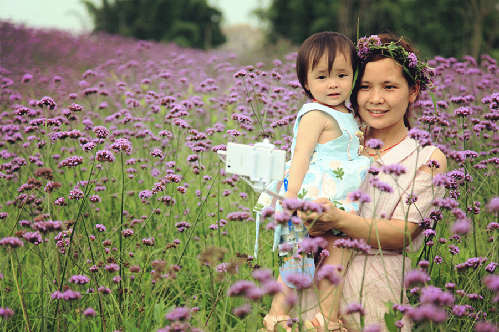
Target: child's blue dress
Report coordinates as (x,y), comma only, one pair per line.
(335,169)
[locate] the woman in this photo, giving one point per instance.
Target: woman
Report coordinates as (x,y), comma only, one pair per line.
(388,84)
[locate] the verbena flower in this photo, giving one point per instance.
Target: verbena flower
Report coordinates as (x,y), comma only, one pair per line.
(180,313)
(79,279)
(89,312)
(375,144)
(299,280)
(6,313)
(330,272)
(242,311)
(355,307)
(11,242)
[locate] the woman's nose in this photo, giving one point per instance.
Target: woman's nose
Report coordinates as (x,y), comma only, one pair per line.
(376,97)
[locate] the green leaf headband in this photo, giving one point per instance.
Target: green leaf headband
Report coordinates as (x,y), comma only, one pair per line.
(422,72)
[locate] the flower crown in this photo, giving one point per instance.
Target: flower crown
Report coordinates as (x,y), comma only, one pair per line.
(422,72)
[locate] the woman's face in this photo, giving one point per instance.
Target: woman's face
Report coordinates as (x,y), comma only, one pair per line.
(384,95)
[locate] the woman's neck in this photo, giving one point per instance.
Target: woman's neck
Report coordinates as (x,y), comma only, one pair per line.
(389,136)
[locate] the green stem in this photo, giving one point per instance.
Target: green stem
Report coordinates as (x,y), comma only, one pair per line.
(20,292)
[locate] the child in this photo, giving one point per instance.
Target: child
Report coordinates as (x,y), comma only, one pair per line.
(325,159)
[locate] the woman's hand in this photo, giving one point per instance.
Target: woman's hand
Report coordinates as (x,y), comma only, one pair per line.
(318,224)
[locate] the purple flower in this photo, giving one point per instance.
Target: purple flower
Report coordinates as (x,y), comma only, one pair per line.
(311,245)
(241,287)
(299,280)
(127,232)
(71,161)
(271,287)
(461,226)
(453,249)
(105,156)
(413,60)
(70,295)
(432,294)
(291,204)
(372,328)
(242,311)
(355,307)
(485,327)
(113,267)
(267,212)
(459,310)
(12,242)
(494,204)
(415,277)
(330,272)
(122,144)
(394,169)
(491,267)
(428,312)
(375,144)
(359,196)
(420,135)
(6,313)
(492,282)
(356,244)
(79,279)
(262,275)
(89,312)
(156,153)
(180,313)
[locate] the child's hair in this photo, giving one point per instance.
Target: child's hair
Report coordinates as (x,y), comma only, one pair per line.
(376,55)
(320,44)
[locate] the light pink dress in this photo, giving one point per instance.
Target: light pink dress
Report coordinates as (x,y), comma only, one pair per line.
(382,279)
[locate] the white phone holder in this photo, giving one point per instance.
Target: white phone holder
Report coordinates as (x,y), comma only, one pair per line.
(260,162)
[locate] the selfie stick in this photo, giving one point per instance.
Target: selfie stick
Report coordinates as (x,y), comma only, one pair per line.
(260,162)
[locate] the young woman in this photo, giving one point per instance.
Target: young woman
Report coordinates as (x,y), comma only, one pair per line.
(388,84)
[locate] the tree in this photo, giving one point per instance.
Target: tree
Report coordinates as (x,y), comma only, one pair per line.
(443,27)
(189,23)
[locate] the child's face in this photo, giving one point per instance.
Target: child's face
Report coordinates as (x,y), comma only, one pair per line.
(331,88)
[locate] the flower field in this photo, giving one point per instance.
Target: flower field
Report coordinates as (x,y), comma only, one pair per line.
(117,215)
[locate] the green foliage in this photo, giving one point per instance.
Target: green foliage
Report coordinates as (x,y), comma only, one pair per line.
(189,23)
(446,28)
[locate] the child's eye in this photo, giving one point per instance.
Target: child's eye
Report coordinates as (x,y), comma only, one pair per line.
(322,77)
(342,75)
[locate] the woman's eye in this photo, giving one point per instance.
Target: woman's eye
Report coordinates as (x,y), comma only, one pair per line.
(389,87)
(363,87)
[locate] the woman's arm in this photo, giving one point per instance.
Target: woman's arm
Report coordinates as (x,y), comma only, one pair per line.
(390,233)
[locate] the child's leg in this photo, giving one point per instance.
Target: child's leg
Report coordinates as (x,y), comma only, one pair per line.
(329,294)
(280,306)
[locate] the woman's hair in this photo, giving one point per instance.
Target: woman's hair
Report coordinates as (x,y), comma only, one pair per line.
(316,46)
(376,55)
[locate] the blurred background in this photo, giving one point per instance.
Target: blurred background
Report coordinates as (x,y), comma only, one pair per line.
(448,28)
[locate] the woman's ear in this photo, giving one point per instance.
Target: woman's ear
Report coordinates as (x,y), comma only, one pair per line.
(414,92)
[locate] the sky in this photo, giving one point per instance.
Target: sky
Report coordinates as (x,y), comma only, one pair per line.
(72,15)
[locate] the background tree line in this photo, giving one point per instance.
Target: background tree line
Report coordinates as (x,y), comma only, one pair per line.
(438,27)
(189,23)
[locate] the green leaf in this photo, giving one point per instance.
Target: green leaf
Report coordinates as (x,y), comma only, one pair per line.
(131,327)
(258,207)
(339,173)
(302,194)
(390,323)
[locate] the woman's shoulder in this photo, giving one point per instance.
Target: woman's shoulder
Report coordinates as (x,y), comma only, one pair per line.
(437,163)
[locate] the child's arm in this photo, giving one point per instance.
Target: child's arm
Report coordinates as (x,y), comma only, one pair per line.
(311,126)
